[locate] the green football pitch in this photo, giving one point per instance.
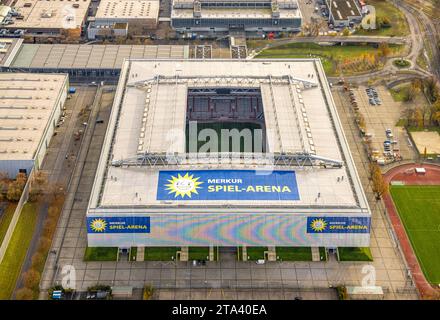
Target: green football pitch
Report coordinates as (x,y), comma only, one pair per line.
(419,209)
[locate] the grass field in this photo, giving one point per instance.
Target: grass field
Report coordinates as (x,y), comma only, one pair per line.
(255,253)
(218,126)
(419,210)
(399,25)
(354,254)
(160,253)
(198,253)
(101,254)
(330,56)
(294,253)
(11,265)
(5,219)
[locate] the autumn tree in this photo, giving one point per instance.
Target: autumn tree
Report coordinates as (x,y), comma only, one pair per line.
(384,49)
(379,186)
(14,191)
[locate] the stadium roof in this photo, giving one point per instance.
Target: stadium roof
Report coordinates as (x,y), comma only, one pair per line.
(27,101)
(300,116)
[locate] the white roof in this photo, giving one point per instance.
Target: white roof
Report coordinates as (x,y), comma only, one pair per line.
(27,101)
(128,9)
(137,186)
(54,14)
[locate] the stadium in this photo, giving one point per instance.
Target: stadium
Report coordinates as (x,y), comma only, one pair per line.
(226,153)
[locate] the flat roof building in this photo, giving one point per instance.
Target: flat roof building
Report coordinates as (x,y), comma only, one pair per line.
(344,12)
(82,62)
(140,15)
(247,15)
(152,188)
(30,106)
(50,17)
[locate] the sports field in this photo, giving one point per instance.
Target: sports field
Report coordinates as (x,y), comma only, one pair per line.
(419,210)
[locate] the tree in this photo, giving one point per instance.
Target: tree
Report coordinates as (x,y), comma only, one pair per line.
(384,49)
(418,118)
(21,179)
(14,191)
(24,294)
(380,187)
(345,32)
(31,278)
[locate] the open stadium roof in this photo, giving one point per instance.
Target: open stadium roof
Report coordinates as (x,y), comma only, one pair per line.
(299,114)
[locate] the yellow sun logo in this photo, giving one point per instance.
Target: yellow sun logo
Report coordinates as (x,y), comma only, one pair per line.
(183,185)
(318,225)
(98,225)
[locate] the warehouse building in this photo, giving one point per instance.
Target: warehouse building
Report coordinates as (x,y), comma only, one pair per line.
(139,15)
(81,62)
(225,15)
(30,107)
(289,179)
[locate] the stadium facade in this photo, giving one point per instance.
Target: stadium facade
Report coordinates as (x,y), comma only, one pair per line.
(225,15)
(157,185)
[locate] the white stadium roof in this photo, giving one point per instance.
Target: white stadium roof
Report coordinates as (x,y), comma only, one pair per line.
(299,113)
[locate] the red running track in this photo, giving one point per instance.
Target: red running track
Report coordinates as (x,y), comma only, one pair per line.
(406,174)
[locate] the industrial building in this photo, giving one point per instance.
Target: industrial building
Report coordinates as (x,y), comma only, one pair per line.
(49,18)
(30,107)
(138,15)
(82,62)
(344,13)
(225,15)
(157,184)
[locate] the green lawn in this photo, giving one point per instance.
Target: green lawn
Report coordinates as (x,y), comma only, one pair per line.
(419,210)
(198,253)
(399,93)
(399,25)
(218,126)
(101,254)
(355,254)
(330,55)
(294,253)
(160,253)
(5,219)
(11,265)
(255,253)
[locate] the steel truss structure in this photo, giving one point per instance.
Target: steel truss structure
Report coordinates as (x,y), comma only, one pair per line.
(299,159)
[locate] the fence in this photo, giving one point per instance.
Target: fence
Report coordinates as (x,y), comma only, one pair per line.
(23,199)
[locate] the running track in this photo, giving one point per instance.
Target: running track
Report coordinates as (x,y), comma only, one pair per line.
(431,177)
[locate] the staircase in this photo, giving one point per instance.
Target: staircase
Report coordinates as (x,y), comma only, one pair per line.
(315,254)
(140,254)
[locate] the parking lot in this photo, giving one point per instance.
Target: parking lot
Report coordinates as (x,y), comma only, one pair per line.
(310,15)
(379,118)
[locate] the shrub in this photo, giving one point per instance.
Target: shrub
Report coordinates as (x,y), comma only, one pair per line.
(31,278)
(44,245)
(37,259)
(24,294)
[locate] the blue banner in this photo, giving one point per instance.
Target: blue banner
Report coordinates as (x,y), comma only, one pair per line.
(118,224)
(338,224)
(227,185)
